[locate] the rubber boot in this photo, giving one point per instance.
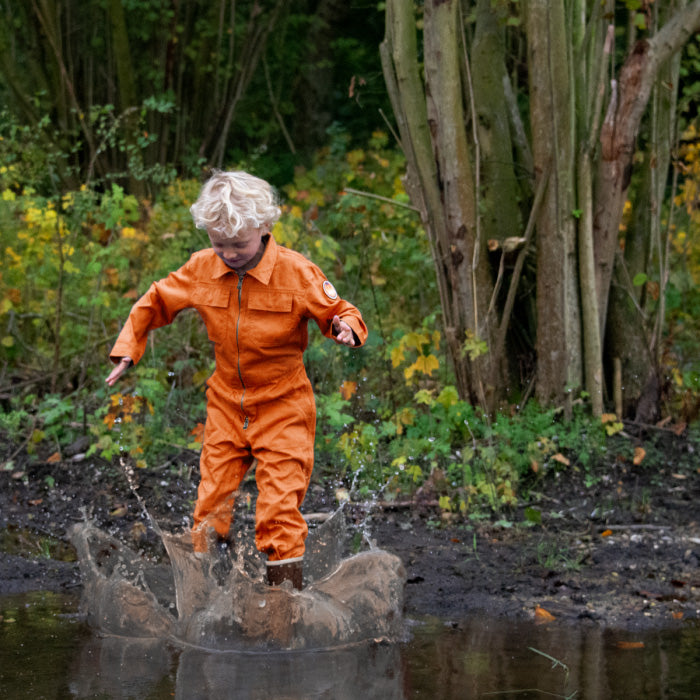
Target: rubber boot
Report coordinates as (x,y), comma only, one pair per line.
(286,570)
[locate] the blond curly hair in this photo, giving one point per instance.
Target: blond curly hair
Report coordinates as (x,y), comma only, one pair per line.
(233,201)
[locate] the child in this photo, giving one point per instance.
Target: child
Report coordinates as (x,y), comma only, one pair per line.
(256,298)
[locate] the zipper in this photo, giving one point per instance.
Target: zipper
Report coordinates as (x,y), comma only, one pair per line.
(238,348)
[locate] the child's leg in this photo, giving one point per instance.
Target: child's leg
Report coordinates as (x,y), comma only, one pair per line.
(224,462)
(283,443)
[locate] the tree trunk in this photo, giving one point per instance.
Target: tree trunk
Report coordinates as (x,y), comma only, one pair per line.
(499,190)
(633,335)
(559,368)
(618,137)
(440,180)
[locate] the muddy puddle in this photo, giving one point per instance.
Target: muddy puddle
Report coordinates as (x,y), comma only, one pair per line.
(47,651)
(220,600)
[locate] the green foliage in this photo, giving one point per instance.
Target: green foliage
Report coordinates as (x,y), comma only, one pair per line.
(390,420)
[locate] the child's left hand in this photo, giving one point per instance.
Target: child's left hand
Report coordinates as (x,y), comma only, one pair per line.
(342,333)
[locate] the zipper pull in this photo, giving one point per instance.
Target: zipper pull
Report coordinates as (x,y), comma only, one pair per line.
(245,423)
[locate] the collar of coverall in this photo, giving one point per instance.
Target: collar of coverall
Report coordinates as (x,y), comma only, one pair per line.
(262,271)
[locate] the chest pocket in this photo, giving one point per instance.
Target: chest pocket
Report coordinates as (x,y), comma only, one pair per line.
(212,301)
(271,319)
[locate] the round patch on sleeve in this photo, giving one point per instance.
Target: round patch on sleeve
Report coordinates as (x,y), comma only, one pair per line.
(329,290)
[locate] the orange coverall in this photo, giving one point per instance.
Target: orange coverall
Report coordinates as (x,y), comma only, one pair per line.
(260,403)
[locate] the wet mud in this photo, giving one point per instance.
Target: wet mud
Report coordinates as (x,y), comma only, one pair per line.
(617,546)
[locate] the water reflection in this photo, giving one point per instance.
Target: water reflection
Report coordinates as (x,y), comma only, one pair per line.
(506,660)
(119,668)
(46,652)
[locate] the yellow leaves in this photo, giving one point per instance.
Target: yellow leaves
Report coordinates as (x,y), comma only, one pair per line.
(445,503)
(397,356)
(134,235)
(119,512)
(424,364)
(123,408)
(14,259)
(639,454)
(420,343)
(8,196)
(348,389)
(406,416)
(611,423)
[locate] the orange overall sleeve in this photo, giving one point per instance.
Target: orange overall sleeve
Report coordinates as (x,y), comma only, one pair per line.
(323,302)
(157,307)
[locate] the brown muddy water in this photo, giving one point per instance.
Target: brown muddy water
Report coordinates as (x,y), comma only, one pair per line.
(46,651)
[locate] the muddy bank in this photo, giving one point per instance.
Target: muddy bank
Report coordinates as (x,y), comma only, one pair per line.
(616,546)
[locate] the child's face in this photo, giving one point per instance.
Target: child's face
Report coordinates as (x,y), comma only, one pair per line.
(239,251)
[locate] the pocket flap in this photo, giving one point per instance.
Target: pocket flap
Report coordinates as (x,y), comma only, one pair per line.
(211,295)
(275,301)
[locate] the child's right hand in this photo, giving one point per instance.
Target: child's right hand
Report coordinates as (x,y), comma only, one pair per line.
(117,372)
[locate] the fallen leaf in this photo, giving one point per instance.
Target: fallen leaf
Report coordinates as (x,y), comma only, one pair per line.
(542,615)
(55,457)
(118,512)
(679,476)
(534,466)
(630,645)
(559,457)
(679,429)
(138,531)
(17,475)
(606,533)
(639,455)
(677,615)
(36,502)
(608,418)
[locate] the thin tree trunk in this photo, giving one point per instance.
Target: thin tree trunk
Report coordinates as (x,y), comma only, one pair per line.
(559,369)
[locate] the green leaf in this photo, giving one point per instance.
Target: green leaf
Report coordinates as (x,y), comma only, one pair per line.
(533,515)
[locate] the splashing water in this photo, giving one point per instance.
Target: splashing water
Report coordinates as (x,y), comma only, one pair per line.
(219,601)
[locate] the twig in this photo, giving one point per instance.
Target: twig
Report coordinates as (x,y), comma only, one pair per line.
(637,526)
(648,426)
(383,199)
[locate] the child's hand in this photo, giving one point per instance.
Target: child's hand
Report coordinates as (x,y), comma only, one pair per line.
(343,334)
(117,372)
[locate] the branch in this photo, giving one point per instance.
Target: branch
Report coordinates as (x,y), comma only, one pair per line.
(517,270)
(350,190)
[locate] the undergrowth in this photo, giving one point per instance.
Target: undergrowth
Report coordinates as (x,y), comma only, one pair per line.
(390,422)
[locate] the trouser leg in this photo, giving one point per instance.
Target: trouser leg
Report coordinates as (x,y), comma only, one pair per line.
(283,444)
(223,464)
